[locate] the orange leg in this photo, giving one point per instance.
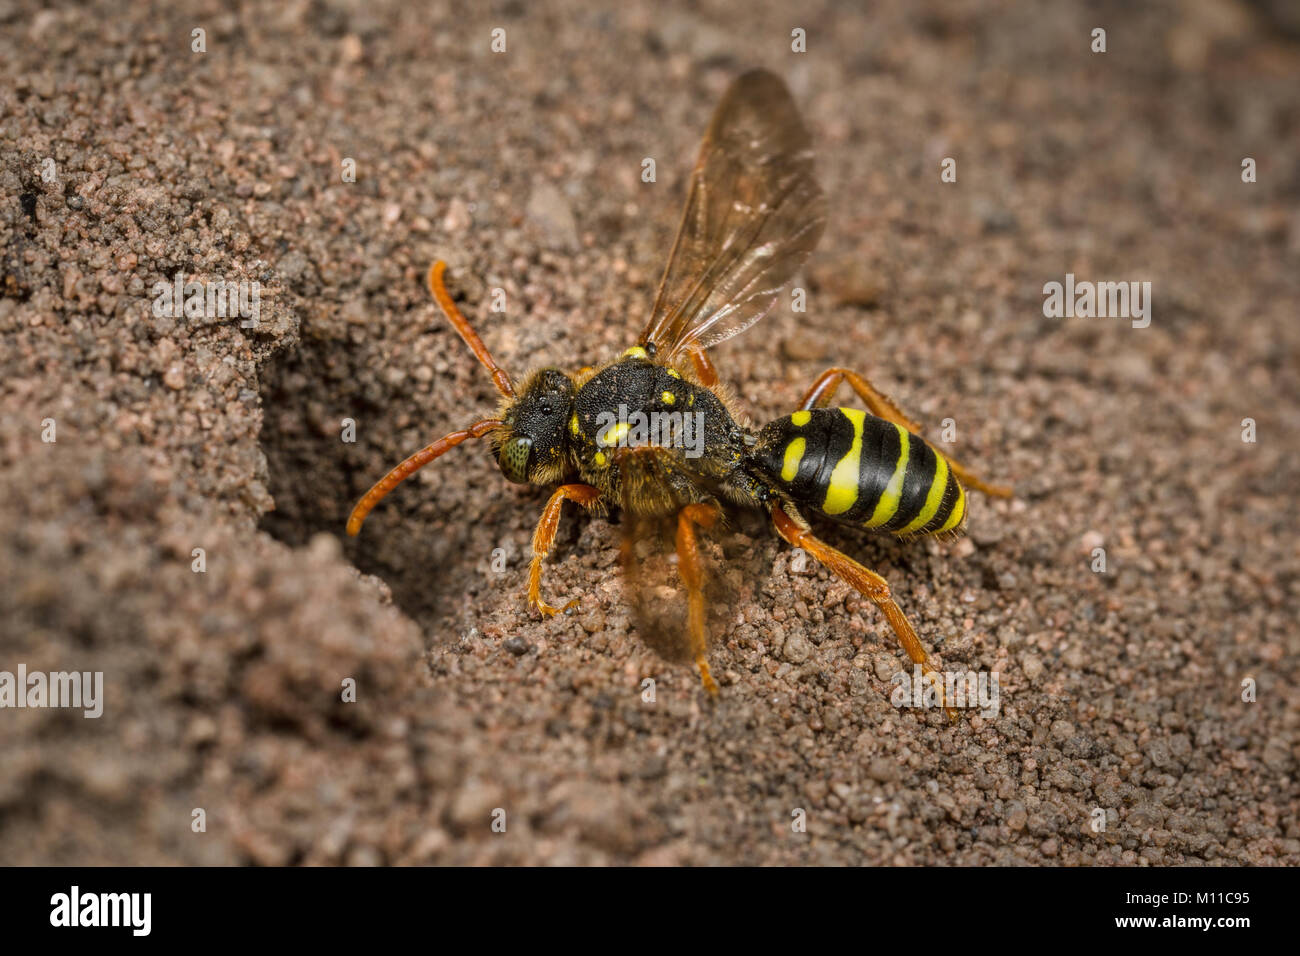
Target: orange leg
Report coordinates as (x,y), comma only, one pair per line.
(970,481)
(412,465)
(627,550)
(880,405)
(823,390)
(868,584)
(544,537)
(704,370)
(690,567)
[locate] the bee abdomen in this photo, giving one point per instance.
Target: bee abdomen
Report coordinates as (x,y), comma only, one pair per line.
(854,467)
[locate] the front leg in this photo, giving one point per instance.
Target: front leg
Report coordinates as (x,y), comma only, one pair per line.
(544,537)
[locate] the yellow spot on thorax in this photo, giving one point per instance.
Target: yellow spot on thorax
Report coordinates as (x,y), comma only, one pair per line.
(843,488)
(600,459)
(669,398)
(674,373)
(800,419)
(636,352)
(887,506)
(573,424)
(793,456)
(614,434)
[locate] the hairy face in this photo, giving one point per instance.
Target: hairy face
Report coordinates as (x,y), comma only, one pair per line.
(531,447)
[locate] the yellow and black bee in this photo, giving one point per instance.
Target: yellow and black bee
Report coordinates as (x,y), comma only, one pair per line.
(753,215)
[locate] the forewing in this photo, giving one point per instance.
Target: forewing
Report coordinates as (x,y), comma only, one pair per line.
(753,214)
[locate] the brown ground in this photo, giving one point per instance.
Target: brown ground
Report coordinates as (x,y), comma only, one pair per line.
(1121,691)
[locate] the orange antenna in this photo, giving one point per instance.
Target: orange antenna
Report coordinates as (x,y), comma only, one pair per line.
(499,377)
(412,465)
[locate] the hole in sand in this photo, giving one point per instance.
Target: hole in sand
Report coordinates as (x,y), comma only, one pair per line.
(431,539)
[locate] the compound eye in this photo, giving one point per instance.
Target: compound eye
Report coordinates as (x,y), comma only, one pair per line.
(514,459)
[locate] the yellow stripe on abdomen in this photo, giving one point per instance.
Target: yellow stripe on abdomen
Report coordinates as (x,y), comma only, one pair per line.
(842,490)
(887,506)
(933,498)
(958,512)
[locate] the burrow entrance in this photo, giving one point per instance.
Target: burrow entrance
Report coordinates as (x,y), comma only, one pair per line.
(430,539)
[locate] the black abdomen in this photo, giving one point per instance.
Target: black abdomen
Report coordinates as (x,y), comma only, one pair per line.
(854,467)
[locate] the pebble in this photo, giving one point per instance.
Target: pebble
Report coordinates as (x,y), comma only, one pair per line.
(551,213)
(796,648)
(883,770)
(458,217)
(517,646)
(1032,665)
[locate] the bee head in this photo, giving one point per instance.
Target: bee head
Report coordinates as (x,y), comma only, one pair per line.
(531,446)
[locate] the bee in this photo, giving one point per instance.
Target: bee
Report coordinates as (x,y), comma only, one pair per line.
(654,434)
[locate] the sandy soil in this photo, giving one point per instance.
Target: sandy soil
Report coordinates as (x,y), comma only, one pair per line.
(1121,692)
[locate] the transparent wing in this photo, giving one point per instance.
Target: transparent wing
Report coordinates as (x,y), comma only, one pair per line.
(753,215)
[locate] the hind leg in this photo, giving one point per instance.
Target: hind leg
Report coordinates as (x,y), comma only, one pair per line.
(821,392)
(869,584)
(690,567)
(880,405)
